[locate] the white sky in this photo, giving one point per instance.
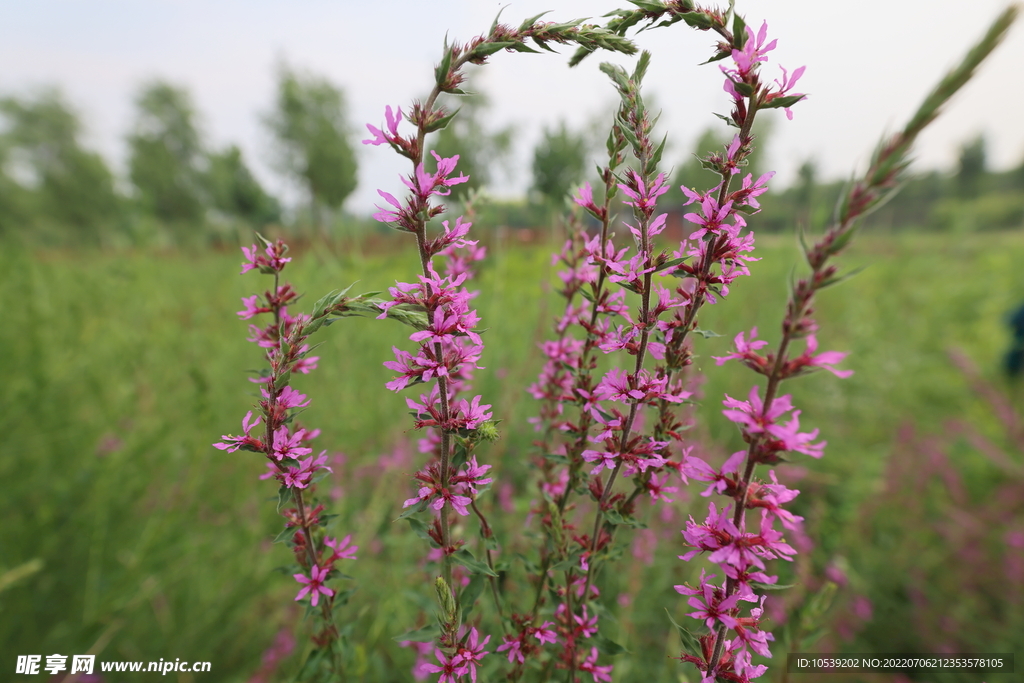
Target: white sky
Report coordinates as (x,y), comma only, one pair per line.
(868,65)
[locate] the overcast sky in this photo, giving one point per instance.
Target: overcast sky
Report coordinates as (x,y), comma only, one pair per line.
(868,65)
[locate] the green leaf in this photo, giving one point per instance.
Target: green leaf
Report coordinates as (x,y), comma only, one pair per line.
(284,496)
(671,263)
(441,71)
(441,124)
(615,517)
(656,157)
(407,316)
(780,102)
(488,48)
(321,305)
(746,90)
(523,47)
(529,22)
(311,665)
(841,278)
(420,528)
(412,510)
(470,594)
(286,534)
(757,586)
(341,598)
(739,33)
(698,20)
(690,642)
(283,380)
(557,458)
(608,646)
(707,334)
(467,560)
(424,634)
(528,564)
(571,562)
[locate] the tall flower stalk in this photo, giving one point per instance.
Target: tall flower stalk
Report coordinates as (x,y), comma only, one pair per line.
(607,439)
(286,444)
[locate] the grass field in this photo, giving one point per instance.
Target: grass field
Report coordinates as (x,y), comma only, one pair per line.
(123,368)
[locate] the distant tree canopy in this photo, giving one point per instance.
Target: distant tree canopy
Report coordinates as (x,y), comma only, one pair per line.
(48,177)
(694,176)
(166,157)
(234,191)
(312,138)
(559,163)
(690,173)
(971,167)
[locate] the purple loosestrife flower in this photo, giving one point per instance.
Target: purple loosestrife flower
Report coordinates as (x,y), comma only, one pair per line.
(823,360)
(233,443)
(745,352)
(601,674)
(713,218)
(289,445)
(251,307)
(288,398)
(451,669)
(720,480)
(754,50)
(273,262)
(342,549)
(471,651)
(785,85)
(313,584)
(644,196)
(391,136)
(301,476)
(712,605)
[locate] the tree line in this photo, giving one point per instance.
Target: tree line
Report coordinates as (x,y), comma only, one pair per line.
(54,190)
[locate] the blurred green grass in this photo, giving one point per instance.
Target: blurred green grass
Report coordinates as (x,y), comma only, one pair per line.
(123,368)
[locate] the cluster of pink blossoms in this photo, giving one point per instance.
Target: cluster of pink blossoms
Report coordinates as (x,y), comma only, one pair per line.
(715,254)
(283,441)
(448,352)
(770,426)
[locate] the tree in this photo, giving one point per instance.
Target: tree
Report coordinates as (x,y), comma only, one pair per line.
(972,167)
(166,155)
(559,162)
(309,127)
(696,177)
(690,173)
(479,150)
(60,183)
(234,191)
